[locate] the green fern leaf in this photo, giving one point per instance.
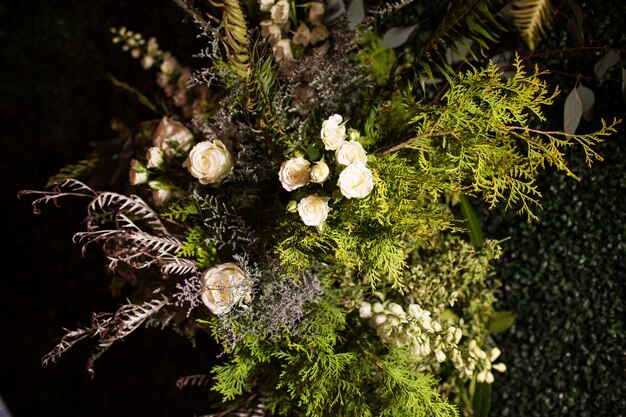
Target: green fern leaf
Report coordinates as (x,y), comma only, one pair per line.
(530,17)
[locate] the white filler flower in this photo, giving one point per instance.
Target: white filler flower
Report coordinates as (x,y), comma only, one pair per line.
(319,172)
(210,162)
(223,287)
(313,210)
(350,152)
(294,173)
(333,132)
(356,181)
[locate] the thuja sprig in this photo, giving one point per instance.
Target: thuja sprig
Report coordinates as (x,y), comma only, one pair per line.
(479,137)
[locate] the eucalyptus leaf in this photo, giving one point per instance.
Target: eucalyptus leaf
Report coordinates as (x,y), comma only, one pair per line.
(501,321)
(396,36)
(578,13)
(572,112)
(607,61)
(575,33)
(356,13)
(588,99)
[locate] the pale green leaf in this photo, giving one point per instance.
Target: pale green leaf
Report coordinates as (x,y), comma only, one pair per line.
(356,13)
(481,402)
(607,61)
(396,36)
(572,112)
(501,321)
(587,99)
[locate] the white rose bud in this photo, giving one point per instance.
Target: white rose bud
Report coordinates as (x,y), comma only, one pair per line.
(356,181)
(266,5)
(223,287)
(210,162)
(319,172)
(500,367)
(154,157)
(294,173)
(135,175)
(282,50)
(271,31)
(333,132)
(160,197)
(316,10)
(171,135)
(313,210)
(350,152)
(280,12)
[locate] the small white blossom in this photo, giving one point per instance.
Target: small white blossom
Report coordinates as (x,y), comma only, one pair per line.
(333,132)
(266,5)
(365,310)
(271,31)
(280,12)
(302,35)
(356,181)
(316,10)
(294,173)
(282,50)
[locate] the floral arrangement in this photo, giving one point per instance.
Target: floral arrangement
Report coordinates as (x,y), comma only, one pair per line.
(299,200)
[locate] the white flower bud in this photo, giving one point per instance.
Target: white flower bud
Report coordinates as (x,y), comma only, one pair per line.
(280,12)
(294,173)
(440,356)
(500,367)
(271,31)
(333,132)
(396,309)
(494,354)
(489,378)
(313,210)
(266,5)
(458,334)
(414,310)
(356,181)
(154,157)
(379,318)
(319,172)
(302,35)
(282,50)
(136,175)
(393,320)
(378,308)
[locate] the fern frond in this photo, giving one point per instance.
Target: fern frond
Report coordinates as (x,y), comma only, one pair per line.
(107,205)
(178,266)
(236,33)
(530,17)
(66,188)
(76,170)
(465,19)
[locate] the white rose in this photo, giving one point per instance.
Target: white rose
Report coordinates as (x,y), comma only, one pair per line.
(266,5)
(210,162)
(333,132)
(356,181)
(271,31)
(282,50)
(160,197)
(136,175)
(350,152)
(280,12)
(223,287)
(319,172)
(294,173)
(154,157)
(313,210)
(172,136)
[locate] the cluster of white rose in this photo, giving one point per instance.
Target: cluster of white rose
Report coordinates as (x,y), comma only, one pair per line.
(425,337)
(355,180)
(223,287)
(209,161)
(278,26)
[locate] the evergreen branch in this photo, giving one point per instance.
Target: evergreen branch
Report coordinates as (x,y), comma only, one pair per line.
(77,170)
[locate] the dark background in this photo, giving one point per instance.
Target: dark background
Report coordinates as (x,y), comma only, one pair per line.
(564,276)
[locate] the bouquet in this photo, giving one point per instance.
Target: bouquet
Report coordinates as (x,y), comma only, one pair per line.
(305,199)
